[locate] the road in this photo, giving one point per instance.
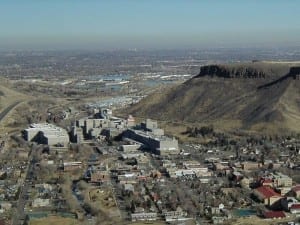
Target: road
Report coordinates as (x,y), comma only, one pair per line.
(19,218)
(8,109)
(20,214)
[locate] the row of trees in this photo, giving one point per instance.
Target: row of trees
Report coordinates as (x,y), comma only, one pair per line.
(196,132)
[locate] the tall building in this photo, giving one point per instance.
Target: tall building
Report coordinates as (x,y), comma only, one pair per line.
(44,133)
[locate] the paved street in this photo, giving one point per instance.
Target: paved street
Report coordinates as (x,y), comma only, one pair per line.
(20,214)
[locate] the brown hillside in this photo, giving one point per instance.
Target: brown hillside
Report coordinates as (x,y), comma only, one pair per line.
(257,96)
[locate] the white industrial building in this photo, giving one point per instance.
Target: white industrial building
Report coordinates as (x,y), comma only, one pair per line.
(153,138)
(44,133)
(102,123)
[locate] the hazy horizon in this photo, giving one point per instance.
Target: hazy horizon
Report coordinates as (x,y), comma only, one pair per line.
(116,24)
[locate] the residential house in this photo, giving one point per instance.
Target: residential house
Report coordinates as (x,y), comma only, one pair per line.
(274,214)
(39,202)
(295,209)
(70,166)
(144,216)
(99,177)
(267,195)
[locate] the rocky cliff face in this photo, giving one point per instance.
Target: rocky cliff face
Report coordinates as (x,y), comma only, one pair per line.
(295,72)
(227,72)
(248,70)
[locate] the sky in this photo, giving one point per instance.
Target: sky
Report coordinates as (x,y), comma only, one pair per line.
(154,24)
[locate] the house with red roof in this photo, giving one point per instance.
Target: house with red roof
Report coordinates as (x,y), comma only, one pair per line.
(295,209)
(274,214)
(267,195)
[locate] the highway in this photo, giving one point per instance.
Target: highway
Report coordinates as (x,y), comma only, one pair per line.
(23,191)
(8,109)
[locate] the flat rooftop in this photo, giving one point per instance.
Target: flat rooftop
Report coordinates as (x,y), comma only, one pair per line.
(148,134)
(48,129)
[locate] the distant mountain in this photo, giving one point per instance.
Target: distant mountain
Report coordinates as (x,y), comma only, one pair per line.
(260,96)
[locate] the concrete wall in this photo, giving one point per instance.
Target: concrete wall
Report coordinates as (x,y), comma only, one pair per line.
(29,134)
(158,132)
(53,140)
(88,124)
(129,148)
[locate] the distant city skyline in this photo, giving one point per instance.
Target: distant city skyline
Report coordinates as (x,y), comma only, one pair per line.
(167,24)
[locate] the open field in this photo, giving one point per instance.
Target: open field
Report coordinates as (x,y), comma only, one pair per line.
(145,223)
(9,96)
(9,101)
(54,220)
(259,221)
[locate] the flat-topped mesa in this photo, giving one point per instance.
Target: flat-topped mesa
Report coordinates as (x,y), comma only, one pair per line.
(227,72)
